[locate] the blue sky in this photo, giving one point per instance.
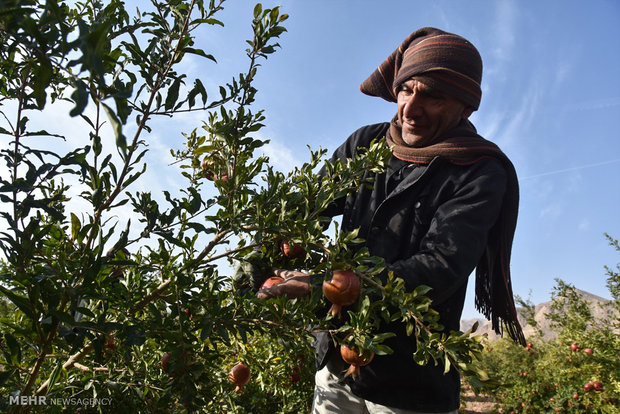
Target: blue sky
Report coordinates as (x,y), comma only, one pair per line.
(551,101)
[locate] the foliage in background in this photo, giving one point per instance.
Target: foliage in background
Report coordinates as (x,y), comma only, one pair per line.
(577,372)
(137,310)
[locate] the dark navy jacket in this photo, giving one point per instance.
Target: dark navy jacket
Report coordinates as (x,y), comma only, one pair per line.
(430,224)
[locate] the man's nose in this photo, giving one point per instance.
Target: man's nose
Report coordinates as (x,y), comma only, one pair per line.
(413,105)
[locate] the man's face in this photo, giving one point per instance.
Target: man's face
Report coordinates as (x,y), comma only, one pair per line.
(426,113)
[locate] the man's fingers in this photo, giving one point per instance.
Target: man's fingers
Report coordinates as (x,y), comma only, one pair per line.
(288,274)
(283,273)
(294,287)
(263,294)
(270,292)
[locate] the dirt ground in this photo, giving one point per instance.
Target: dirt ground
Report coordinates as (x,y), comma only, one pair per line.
(475,404)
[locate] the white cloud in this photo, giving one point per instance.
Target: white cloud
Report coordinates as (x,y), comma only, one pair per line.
(551,211)
(570,169)
(508,126)
(280,156)
(575,182)
(602,103)
(491,124)
(562,72)
(542,189)
(584,224)
(506,14)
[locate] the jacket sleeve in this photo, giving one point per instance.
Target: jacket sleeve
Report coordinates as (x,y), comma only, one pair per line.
(457,235)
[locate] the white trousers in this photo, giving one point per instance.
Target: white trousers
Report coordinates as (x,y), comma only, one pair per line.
(334,397)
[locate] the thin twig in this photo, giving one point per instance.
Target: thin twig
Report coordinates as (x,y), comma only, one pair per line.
(153,295)
(372,282)
(75,358)
(233,251)
(95,369)
(216,239)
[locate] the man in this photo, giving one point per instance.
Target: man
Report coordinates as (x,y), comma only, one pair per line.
(446,204)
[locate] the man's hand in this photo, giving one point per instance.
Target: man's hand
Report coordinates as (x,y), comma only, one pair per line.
(295,285)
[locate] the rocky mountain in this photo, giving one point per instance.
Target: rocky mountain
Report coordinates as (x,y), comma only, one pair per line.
(540,311)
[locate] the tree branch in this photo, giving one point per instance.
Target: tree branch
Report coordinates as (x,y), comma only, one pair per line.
(75,358)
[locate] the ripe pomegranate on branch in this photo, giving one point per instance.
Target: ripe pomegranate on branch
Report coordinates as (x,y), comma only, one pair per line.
(292,250)
(239,375)
(212,167)
(342,290)
(352,356)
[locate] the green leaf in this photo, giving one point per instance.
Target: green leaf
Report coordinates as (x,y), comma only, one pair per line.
(75,226)
(258,9)
(5,375)
(383,336)
(206,332)
(63,317)
(173,94)
(14,349)
(42,77)
(121,141)
(420,358)
(21,302)
(85,311)
(421,290)
(80,98)
(134,336)
(475,382)
(208,21)
(55,374)
(198,89)
(447,364)
(199,52)
(383,350)
(41,133)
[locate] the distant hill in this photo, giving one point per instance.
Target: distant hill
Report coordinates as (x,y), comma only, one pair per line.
(540,316)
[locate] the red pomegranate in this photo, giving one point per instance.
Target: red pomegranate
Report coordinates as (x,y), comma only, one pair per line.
(292,250)
(175,363)
(272,281)
(342,290)
(164,362)
(109,341)
(353,357)
(239,375)
(211,169)
(294,377)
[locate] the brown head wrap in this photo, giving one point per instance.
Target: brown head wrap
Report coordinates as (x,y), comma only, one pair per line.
(442,60)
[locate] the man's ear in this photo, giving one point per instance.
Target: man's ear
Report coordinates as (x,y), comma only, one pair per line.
(467,112)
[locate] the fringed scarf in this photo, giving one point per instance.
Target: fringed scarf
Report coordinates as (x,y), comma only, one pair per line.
(463,146)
